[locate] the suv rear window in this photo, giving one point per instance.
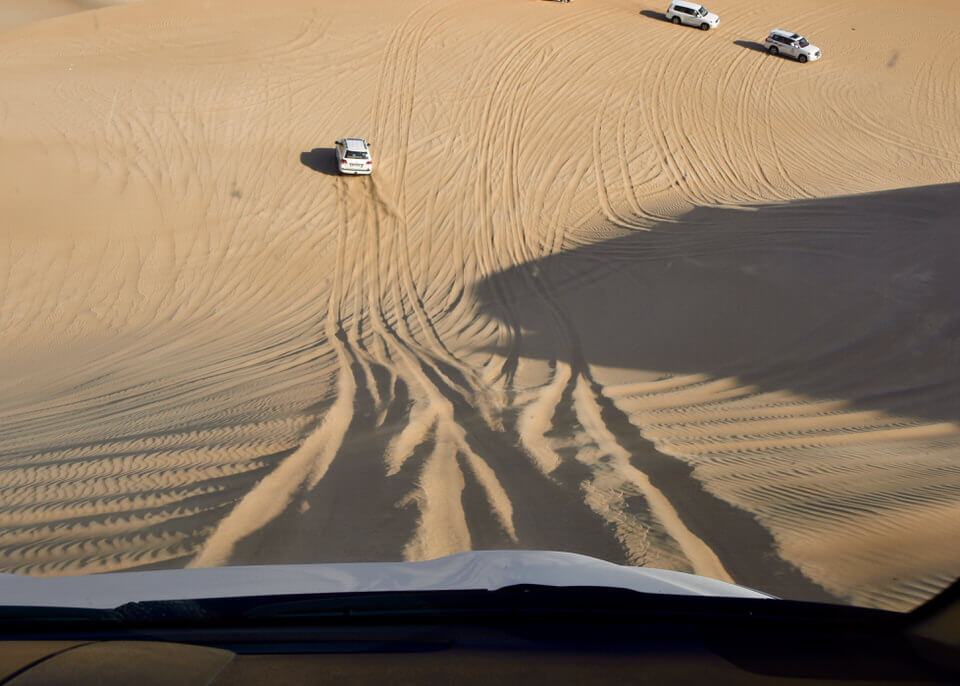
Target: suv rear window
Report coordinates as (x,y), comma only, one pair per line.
(356,154)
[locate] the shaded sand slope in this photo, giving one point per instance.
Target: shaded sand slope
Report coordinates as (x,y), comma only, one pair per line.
(214,351)
(804,361)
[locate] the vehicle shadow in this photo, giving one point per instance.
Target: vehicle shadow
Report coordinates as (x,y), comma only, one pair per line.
(750,45)
(654,15)
(851,297)
(323,160)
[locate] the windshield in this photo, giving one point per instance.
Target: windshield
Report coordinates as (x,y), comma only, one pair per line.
(803,42)
(572,305)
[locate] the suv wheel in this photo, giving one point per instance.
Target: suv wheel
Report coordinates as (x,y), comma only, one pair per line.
(773,50)
(802,59)
(704,27)
(676,20)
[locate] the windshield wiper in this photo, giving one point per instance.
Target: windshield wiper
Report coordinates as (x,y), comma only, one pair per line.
(527,602)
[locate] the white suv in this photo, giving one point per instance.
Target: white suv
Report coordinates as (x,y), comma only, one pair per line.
(682,12)
(781,42)
(353,156)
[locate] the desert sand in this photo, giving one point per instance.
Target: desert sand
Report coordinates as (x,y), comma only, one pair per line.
(616,287)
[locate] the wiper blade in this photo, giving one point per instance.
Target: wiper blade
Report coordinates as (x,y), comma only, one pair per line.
(523,602)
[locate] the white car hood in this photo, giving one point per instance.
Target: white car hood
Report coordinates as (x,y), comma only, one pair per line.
(487,570)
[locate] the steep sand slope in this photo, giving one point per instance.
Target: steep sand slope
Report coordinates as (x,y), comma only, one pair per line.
(615,288)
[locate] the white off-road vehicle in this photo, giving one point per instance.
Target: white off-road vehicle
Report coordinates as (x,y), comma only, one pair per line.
(781,42)
(353,156)
(683,12)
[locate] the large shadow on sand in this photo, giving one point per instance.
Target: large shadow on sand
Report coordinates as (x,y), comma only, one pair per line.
(854,298)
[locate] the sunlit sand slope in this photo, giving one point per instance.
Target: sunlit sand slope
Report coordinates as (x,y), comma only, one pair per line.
(616,287)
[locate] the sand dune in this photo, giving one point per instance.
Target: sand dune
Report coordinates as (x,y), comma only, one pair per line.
(616,287)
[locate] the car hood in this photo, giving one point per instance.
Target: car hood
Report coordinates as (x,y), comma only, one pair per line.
(487,570)
(712,18)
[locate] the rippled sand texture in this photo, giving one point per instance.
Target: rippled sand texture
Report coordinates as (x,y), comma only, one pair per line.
(617,287)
